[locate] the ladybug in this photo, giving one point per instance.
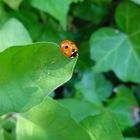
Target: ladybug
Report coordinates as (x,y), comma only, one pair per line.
(69,49)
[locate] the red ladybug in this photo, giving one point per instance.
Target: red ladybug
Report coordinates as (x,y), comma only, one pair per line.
(69,49)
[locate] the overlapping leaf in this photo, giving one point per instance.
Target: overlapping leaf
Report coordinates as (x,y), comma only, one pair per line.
(13,33)
(49,121)
(80,109)
(13,4)
(56,8)
(94,88)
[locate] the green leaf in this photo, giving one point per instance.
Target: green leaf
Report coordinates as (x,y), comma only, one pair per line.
(137,92)
(136,1)
(80,109)
(121,107)
(94,87)
(56,8)
(119,51)
(49,121)
(103,2)
(33,26)
(29,73)
(8,125)
(4,135)
(94,13)
(50,32)
(131,138)
(84,50)
(13,4)
(8,136)
(13,33)
(3,14)
(1,134)
(71,1)
(102,127)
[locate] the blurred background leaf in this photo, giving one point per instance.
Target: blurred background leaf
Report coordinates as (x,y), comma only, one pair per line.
(13,4)
(116,50)
(100,126)
(33,125)
(122,106)
(80,109)
(10,37)
(136,1)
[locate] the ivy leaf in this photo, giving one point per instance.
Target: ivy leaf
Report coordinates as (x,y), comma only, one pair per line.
(29,73)
(136,1)
(50,33)
(80,109)
(94,88)
(103,2)
(121,107)
(1,134)
(102,127)
(71,1)
(93,11)
(13,33)
(119,50)
(34,27)
(13,4)
(56,8)
(131,138)
(49,121)
(3,14)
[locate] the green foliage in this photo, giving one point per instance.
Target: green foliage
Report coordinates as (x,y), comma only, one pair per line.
(32,125)
(94,13)
(13,33)
(118,50)
(136,1)
(13,4)
(121,106)
(100,127)
(82,108)
(132,139)
(94,87)
(45,95)
(56,8)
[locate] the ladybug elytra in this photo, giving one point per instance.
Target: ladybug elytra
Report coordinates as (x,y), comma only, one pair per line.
(69,49)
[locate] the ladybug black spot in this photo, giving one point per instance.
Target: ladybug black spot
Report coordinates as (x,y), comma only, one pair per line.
(66,47)
(71,43)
